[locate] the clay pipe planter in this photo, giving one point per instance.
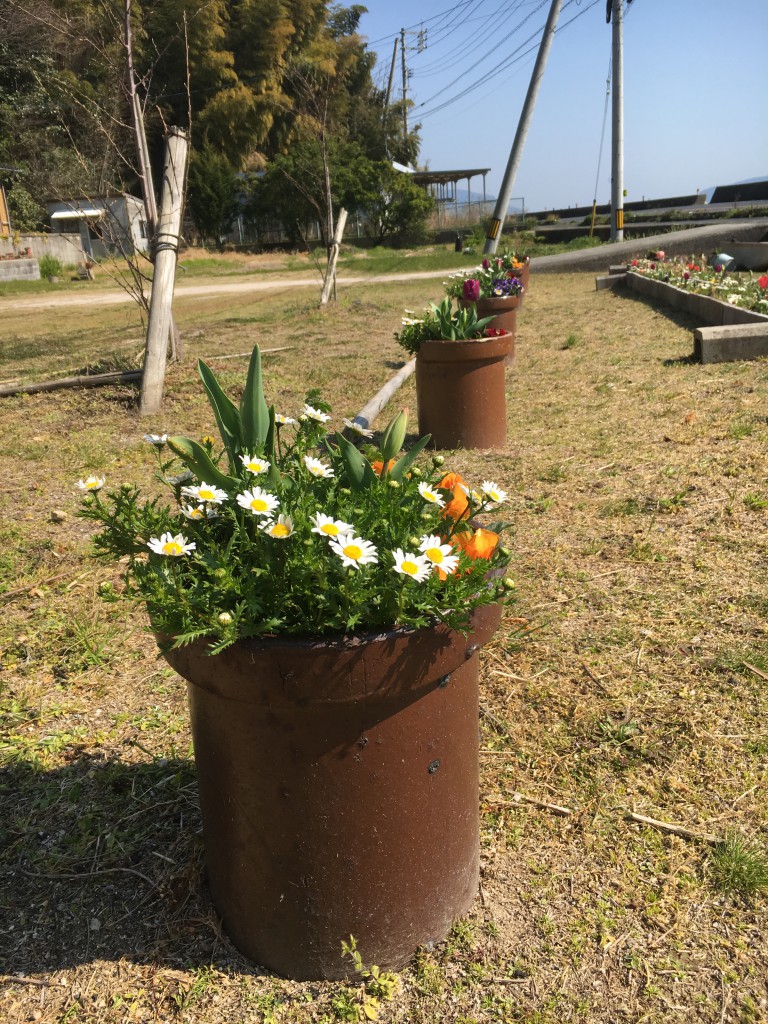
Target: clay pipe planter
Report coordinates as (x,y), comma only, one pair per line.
(503,310)
(461,391)
(339,791)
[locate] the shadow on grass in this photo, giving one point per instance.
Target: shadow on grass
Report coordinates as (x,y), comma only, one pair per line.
(102,860)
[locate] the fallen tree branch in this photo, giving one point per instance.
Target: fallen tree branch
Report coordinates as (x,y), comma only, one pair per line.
(89,380)
(675,830)
(518,798)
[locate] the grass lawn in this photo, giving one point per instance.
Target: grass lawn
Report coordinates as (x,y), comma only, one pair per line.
(630,677)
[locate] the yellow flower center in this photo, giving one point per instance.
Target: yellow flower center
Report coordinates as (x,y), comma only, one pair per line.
(206,495)
(196,513)
(259,505)
(255,467)
(410,567)
(434,555)
(429,496)
(172,548)
(353,551)
(280,530)
(330,529)
(92,485)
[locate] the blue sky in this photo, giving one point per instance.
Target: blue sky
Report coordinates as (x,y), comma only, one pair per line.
(695,88)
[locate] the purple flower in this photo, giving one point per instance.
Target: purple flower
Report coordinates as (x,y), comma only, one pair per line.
(471,290)
(505,286)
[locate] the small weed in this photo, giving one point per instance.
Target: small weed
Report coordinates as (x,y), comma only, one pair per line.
(618,732)
(642,551)
(553,474)
(378,986)
(740,429)
(625,507)
(756,502)
(738,866)
(570,342)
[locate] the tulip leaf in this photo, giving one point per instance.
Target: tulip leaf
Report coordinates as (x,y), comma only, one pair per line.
(225,411)
(358,468)
(254,413)
(393,437)
(196,458)
(402,465)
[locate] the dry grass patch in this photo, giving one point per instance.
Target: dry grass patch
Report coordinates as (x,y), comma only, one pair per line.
(630,676)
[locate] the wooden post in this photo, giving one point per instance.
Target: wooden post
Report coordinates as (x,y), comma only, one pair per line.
(330,273)
(166,251)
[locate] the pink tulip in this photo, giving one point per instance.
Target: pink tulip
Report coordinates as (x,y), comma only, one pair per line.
(471,290)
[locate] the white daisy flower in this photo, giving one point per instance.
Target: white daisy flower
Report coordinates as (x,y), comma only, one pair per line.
(199,512)
(92,483)
(317,468)
(258,501)
(255,465)
(205,492)
(357,428)
(167,544)
(158,440)
(280,529)
(354,550)
(490,490)
(284,421)
(441,555)
(327,526)
(418,567)
(430,494)
(314,414)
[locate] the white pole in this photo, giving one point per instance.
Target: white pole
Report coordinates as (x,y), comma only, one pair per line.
(502,203)
(617,109)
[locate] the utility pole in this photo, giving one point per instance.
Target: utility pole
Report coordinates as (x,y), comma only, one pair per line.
(405,83)
(391,78)
(614,13)
(502,203)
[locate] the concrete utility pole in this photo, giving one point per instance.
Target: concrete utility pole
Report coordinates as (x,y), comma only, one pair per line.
(166,252)
(391,78)
(614,12)
(405,83)
(502,203)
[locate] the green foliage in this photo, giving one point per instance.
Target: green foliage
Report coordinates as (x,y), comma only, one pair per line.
(244,553)
(738,866)
(50,266)
(441,322)
(25,212)
(211,193)
(378,986)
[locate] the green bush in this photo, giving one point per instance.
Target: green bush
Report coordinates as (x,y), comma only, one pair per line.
(50,266)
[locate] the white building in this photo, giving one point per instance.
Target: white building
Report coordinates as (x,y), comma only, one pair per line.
(108,225)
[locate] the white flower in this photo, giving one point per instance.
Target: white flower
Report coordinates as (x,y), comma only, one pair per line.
(283,420)
(490,490)
(280,530)
(92,483)
(430,494)
(441,555)
(205,492)
(316,467)
(354,550)
(167,544)
(311,413)
(198,512)
(254,465)
(225,618)
(357,428)
(418,567)
(158,440)
(327,526)
(258,501)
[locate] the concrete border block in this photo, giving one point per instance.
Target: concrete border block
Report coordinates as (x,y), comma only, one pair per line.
(730,343)
(609,281)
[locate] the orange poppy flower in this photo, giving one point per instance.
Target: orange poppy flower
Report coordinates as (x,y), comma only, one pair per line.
(378,466)
(480,544)
(459,505)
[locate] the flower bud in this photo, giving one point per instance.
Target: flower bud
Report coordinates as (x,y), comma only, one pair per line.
(394,484)
(509,583)
(219,573)
(504,552)
(225,618)
(345,491)
(438,460)
(415,471)
(414,541)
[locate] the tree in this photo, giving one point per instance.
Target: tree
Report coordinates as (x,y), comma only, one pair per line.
(211,193)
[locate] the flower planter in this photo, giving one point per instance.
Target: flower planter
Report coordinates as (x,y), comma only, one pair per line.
(339,791)
(503,311)
(461,391)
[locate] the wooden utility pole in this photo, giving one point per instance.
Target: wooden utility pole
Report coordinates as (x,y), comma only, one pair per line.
(166,252)
(404,64)
(502,203)
(333,254)
(391,79)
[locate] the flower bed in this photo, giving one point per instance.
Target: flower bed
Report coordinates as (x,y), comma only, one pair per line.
(706,292)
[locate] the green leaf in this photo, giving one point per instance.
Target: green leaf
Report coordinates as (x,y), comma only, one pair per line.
(225,411)
(402,465)
(358,468)
(196,458)
(254,414)
(393,437)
